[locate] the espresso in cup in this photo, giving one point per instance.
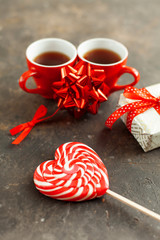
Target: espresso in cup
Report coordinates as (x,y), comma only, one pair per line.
(45,59)
(102,56)
(111,57)
(51,58)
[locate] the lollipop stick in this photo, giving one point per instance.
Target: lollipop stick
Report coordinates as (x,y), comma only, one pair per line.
(133,205)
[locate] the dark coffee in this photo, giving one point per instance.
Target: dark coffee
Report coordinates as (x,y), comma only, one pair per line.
(102,56)
(51,58)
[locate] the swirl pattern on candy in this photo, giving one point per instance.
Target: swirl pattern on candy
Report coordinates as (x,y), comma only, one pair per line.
(76,174)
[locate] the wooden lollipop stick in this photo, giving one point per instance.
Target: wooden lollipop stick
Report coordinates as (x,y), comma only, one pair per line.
(133,205)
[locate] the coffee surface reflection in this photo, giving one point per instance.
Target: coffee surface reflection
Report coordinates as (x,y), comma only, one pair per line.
(51,58)
(102,56)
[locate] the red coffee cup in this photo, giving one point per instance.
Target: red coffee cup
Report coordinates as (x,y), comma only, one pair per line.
(44,75)
(113,71)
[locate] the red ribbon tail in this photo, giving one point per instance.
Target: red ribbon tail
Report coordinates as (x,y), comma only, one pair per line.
(140,106)
(22,136)
(120,111)
(111,120)
(17,129)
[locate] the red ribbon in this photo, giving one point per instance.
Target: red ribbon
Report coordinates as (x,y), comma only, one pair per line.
(25,128)
(81,89)
(145,102)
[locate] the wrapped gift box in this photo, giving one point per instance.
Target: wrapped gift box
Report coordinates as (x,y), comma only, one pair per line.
(145,126)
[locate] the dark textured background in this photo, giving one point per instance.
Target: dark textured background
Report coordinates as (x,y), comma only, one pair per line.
(25,213)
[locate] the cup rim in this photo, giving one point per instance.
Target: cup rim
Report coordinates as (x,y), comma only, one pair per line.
(102,39)
(52,39)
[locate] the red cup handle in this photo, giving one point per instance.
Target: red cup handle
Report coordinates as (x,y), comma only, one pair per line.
(130,70)
(23,79)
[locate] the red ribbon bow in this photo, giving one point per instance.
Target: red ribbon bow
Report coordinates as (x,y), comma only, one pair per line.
(81,89)
(25,128)
(145,102)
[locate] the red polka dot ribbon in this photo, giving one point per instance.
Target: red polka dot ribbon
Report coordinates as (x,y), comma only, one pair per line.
(144,102)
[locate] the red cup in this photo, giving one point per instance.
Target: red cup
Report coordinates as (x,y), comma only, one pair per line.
(112,71)
(44,75)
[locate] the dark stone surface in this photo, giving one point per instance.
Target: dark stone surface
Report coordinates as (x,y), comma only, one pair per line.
(25,213)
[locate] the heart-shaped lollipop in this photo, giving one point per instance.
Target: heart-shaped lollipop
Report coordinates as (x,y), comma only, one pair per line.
(78,174)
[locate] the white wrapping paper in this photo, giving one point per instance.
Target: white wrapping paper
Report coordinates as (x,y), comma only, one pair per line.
(146,126)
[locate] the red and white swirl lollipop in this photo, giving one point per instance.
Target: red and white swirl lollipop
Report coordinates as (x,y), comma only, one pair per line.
(77,174)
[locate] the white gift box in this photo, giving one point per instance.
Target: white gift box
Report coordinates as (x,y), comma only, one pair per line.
(145,126)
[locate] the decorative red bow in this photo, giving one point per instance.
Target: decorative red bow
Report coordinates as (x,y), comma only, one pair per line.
(81,89)
(25,128)
(145,101)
